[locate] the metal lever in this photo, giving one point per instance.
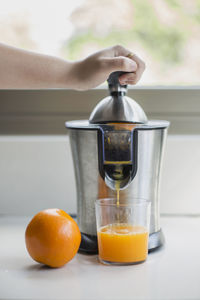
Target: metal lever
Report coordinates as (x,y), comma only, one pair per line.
(113,79)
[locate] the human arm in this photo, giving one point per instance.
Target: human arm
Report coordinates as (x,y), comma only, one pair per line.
(28,70)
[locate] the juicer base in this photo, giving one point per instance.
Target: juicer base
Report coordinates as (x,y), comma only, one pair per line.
(156,240)
(89,242)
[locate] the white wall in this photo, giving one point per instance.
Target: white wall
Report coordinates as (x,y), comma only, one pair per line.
(36,172)
(180,186)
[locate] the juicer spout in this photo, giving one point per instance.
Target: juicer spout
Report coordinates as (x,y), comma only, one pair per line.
(117,152)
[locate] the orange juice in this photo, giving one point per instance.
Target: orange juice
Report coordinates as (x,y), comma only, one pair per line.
(123,243)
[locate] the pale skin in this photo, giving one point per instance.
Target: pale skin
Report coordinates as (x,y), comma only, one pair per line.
(20,69)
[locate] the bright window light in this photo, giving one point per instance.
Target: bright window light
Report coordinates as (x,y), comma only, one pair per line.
(165,33)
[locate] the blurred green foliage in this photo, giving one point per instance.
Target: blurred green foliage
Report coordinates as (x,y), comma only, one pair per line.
(197,15)
(173,3)
(164,42)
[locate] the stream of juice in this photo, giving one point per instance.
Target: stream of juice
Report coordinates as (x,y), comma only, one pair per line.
(117,186)
(117,190)
(117,197)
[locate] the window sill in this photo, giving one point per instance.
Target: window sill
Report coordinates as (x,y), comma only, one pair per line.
(45,111)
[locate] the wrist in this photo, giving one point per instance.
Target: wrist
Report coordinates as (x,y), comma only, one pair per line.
(62,73)
(72,77)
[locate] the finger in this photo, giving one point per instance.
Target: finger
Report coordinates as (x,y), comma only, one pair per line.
(128,77)
(120,63)
(114,51)
(140,67)
(133,78)
(129,82)
(120,51)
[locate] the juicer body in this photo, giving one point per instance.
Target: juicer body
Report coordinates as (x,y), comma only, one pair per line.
(144,185)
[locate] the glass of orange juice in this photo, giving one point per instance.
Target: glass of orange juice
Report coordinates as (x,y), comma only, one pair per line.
(122,230)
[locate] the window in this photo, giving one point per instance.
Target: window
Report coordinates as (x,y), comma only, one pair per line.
(165,33)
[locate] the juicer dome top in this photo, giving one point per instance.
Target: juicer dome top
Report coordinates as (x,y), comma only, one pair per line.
(117,107)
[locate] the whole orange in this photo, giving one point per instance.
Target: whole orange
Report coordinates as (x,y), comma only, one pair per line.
(52,237)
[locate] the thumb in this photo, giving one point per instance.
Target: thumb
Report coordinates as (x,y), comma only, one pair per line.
(120,63)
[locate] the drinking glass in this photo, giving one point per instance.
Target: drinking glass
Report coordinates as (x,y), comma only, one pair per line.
(122,230)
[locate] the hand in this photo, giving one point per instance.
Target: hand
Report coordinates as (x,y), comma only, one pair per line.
(29,70)
(95,69)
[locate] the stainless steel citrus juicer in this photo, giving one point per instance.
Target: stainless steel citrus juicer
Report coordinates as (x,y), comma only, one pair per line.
(117,148)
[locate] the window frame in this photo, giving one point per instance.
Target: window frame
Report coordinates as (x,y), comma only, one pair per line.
(44,112)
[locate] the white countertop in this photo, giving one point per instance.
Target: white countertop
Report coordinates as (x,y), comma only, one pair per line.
(173,272)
